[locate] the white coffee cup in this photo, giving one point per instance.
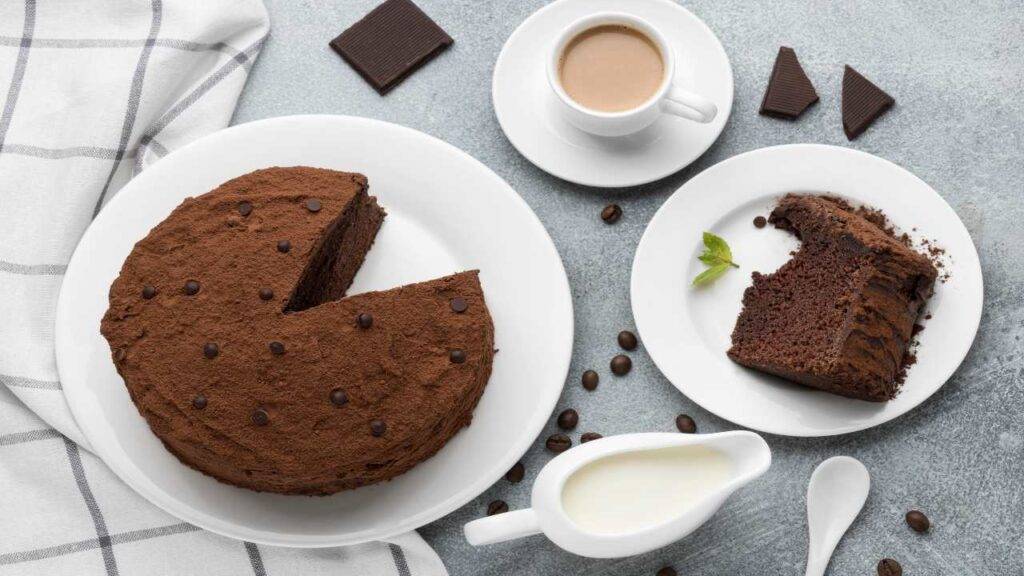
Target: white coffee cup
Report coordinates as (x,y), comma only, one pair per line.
(667,98)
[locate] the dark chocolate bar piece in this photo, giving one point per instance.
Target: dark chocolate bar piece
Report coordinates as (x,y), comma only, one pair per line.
(863,103)
(391,42)
(789,91)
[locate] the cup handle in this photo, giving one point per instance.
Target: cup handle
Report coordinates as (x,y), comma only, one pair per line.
(502,527)
(689,105)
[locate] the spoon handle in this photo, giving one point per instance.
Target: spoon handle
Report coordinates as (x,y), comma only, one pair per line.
(816,565)
(502,527)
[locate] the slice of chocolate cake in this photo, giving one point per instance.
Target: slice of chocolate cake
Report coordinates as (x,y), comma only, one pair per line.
(230,328)
(840,314)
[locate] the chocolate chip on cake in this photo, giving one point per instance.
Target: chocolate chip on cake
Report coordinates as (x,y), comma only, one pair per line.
(191,288)
(685,424)
(497,507)
(148,292)
(589,380)
(568,419)
(457,356)
(918,521)
(588,436)
(277,348)
(889,567)
(199,401)
(611,213)
(516,473)
(667,571)
(266,293)
(339,397)
(558,443)
(283,246)
(210,350)
(459,304)
(378,427)
(364,320)
(260,417)
(627,340)
(244,208)
(313,205)
(120,354)
(621,365)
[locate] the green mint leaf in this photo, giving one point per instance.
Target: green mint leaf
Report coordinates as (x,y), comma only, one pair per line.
(711,274)
(709,258)
(718,247)
(717,256)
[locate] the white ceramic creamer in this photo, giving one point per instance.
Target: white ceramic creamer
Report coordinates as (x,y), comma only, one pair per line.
(630,494)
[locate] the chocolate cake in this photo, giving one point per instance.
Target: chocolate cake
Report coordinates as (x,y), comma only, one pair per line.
(230,326)
(840,314)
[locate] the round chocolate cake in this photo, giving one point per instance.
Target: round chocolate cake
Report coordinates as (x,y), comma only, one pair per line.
(230,326)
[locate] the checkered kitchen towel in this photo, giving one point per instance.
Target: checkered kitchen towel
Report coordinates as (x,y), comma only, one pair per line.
(91,92)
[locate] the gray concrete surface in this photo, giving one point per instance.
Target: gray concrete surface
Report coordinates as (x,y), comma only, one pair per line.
(956,70)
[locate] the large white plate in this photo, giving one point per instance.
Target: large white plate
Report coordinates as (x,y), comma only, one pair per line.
(527,110)
(446,212)
(687,330)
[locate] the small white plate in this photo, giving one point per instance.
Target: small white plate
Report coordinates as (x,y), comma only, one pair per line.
(687,330)
(446,212)
(526,107)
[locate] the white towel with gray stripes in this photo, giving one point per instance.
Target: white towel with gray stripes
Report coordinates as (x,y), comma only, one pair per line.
(92,92)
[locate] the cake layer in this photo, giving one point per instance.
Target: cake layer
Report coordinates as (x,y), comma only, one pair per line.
(840,314)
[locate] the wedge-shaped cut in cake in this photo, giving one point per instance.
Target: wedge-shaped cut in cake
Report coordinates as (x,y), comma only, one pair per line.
(840,314)
(230,326)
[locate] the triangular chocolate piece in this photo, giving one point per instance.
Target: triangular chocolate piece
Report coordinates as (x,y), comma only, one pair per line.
(789,90)
(863,103)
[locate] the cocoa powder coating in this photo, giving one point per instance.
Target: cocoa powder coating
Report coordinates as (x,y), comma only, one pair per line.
(277,422)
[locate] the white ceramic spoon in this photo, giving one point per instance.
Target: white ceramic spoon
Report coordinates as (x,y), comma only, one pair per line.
(837,492)
(746,455)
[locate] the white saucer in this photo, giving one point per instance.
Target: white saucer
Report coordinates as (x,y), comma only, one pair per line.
(439,222)
(687,330)
(525,105)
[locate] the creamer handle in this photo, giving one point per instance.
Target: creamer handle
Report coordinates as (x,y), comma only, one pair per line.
(502,527)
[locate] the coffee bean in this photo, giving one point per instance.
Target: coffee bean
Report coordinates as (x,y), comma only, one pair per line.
(497,507)
(621,365)
(378,427)
(283,246)
(191,287)
(558,443)
(266,293)
(210,350)
(568,419)
(260,417)
(459,305)
(313,205)
(199,402)
(588,436)
(889,567)
(611,213)
(276,348)
(760,221)
(457,356)
(244,208)
(685,424)
(364,320)
(589,380)
(338,397)
(918,521)
(516,473)
(148,292)
(627,340)
(667,571)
